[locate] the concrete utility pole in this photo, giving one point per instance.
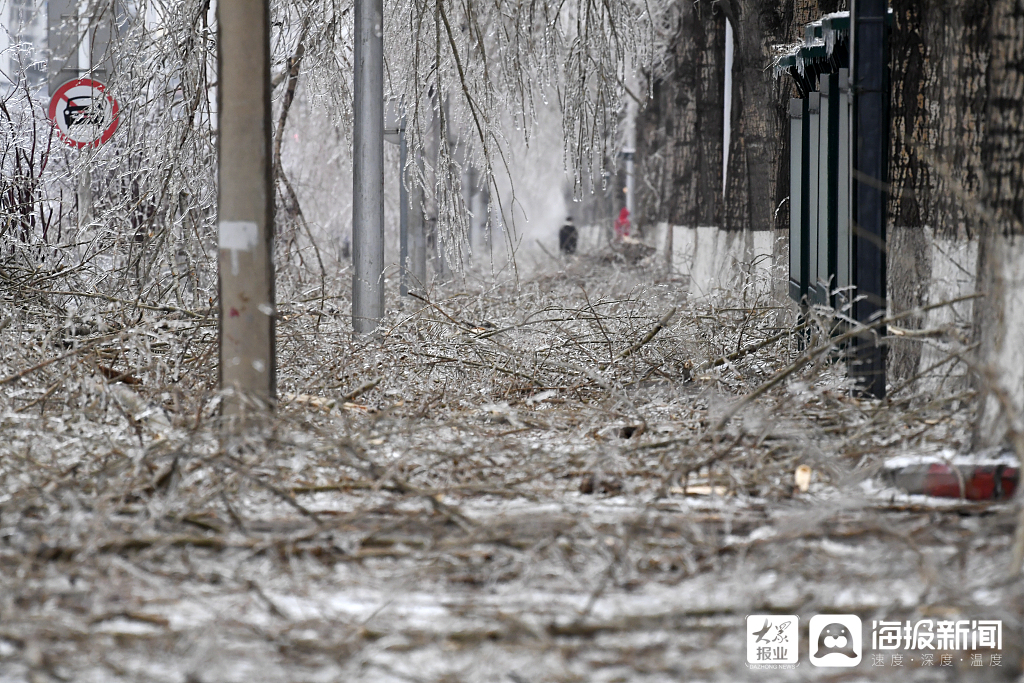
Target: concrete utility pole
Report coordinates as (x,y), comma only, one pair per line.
(245,205)
(368,169)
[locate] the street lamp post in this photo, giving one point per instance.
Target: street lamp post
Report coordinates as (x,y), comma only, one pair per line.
(368,169)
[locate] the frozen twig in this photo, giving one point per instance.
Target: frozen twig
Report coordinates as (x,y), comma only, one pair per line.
(817,351)
(649,336)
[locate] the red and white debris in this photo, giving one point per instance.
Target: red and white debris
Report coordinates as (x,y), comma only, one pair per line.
(981,476)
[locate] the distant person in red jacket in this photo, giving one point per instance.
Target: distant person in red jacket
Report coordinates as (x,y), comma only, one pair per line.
(622,224)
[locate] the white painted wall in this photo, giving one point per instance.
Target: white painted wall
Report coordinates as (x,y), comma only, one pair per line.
(590,239)
(661,239)
(954,268)
(713,259)
(1003,360)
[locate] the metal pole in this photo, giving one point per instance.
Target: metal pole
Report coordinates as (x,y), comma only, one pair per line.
(798,238)
(467,193)
(483,215)
(85,44)
(61,37)
(477,215)
(417,237)
(843,188)
(77,42)
(434,243)
(368,169)
(828,87)
(245,205)
(870,176)
(403,211)
(814,188)
(84,68)
(630,185)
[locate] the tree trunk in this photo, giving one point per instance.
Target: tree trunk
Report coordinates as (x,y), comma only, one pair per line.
(1000,321)
(760,107)
(939,59)
(679,133)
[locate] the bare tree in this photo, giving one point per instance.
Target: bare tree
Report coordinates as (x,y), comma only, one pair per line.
(1000,320)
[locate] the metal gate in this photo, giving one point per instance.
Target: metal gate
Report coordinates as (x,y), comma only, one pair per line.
(839,150)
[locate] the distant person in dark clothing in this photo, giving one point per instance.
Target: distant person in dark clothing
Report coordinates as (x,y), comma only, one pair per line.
(567,237)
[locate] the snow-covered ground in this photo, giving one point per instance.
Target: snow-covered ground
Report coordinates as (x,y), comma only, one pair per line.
(534,490)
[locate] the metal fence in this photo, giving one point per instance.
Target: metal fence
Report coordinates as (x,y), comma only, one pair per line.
(839,129)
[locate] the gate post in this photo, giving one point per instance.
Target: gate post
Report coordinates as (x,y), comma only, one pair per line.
(799,239)
(870,173)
